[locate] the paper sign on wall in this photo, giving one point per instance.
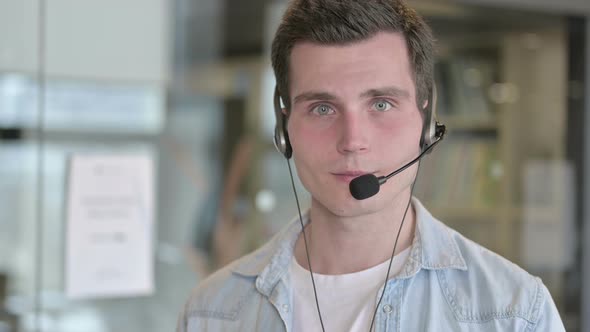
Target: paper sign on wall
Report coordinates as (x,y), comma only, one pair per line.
(110,216)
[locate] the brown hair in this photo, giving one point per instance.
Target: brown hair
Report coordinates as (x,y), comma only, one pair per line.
(340,22)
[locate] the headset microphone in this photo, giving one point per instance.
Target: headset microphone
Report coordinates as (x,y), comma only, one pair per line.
(368,185)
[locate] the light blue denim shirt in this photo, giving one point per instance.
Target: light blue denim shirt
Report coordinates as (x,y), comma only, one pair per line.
(448,283)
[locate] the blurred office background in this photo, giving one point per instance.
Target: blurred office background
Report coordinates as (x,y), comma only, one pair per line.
(188,83)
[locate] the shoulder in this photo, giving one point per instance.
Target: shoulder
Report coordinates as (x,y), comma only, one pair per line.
(220,296)
(491,287)
(241,274)
(222,293)
(223,288)
(489,267)
(234,297)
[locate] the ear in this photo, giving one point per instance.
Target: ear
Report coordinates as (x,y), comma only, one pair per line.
(425,104)
(284,111)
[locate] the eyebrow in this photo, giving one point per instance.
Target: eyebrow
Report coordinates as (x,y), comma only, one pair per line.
(385,91)
(307,96)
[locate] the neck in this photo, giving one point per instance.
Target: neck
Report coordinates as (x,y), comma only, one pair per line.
(339,245)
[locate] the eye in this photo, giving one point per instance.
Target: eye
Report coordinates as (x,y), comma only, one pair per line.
(322,109)
(382,106)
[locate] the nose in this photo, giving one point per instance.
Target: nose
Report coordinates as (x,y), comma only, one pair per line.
(354,131)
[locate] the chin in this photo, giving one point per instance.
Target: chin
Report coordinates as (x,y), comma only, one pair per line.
(348,206)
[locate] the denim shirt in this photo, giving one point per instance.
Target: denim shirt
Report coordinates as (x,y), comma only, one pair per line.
(448,283)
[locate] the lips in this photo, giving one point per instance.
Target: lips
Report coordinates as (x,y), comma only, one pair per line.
(348,176)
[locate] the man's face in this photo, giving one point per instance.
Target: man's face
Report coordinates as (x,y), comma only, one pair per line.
(353,111)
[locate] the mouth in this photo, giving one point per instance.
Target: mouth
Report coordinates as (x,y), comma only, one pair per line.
(348,176)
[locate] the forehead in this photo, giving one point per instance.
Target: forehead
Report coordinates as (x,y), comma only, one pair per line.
(381,60)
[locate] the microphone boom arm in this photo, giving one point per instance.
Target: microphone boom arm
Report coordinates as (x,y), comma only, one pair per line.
(383,179)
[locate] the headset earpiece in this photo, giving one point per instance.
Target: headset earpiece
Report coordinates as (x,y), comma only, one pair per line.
(432,130)
(281,137)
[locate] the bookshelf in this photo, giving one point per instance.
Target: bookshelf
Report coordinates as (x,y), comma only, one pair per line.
(503,100)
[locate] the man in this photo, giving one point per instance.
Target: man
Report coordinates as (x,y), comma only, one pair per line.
(356,79)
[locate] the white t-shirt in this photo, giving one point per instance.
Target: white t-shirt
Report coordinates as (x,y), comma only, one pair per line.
(347,301)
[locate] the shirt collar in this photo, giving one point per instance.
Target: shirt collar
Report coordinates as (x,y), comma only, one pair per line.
(271,262)
(433,248)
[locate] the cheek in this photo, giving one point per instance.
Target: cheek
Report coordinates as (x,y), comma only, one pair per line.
(309,138)
(398,133)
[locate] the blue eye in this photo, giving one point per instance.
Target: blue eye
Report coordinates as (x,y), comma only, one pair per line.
(382,106)
(322,110)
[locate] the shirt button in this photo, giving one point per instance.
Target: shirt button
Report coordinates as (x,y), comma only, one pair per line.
(285,308)
(387,308)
